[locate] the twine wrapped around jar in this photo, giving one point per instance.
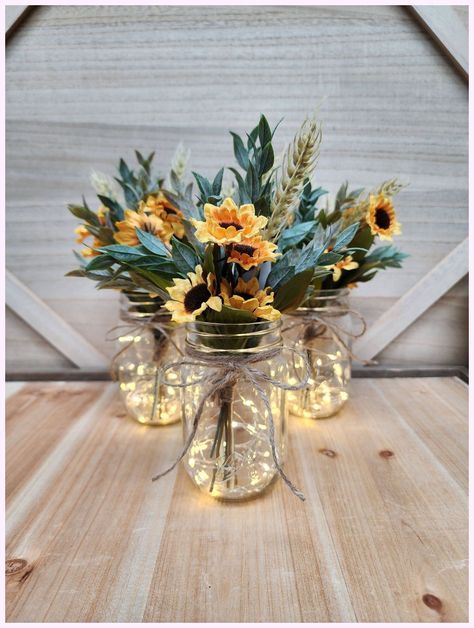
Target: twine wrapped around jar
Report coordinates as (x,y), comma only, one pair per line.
(226,372)
(337,332)
(140,377)
(323,329)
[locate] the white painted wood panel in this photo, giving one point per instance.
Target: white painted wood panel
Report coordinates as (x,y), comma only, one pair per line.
(50,325)
(13,15)
(26,350)
(415,302)
(86,84)
(448,30)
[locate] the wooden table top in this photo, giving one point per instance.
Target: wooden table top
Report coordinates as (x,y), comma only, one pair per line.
(382,535)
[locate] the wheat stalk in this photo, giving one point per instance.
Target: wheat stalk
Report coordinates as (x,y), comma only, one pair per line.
(105,185)
(391,187)
(179,163)
(298,164)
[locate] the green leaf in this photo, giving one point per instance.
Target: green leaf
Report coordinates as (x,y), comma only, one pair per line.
(217,183)
(276,126)
(152,243)
(262,206)
(333,217)
(159,283)
(229,315)
(280,272)
(208,261)
(243,194)
(291,294)
(295,234)
(100,262)
(240,151)
(184,256)
(266,160)
(131,195)
(123,253)
(252,138)
(368,276)
(252,183)
(105,235)
(204,185)
(79,272)
(114,207)
(85,214)
(346,236)
(364,240)
(309,256)
(264,131)
(160,265)
(144,283)
(327,259)
(125,171)
(322,219)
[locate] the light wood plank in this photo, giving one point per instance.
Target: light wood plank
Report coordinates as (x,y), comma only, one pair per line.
(46,322)
(103,520)
(448,31)
(433,418)
(395,544)
(50,410)
(379,538)
(416,301)
(239,558)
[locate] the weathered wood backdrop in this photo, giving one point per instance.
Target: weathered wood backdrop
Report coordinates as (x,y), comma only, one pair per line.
(86,84)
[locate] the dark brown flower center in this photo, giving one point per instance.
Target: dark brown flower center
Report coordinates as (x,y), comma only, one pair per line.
(382,218)
(196,297)
(226,225)
(149,227)
(244,295)
(244,248)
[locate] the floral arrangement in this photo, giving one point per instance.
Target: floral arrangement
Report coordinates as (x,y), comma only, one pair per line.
(233,256)
(214,258)
(356,219)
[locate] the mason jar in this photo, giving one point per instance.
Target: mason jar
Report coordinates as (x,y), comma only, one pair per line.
(235,438)
(148,342)
(321,329)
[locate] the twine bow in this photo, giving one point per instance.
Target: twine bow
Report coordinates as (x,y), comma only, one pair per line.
(227,371)
(132,329)
(336,331)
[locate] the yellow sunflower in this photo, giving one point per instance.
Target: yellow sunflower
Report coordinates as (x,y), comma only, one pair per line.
(150,223)
(252,252)
(190,297)
(381,217)
(248,296)
(82,233)
(345,264)
(228,223)
(160,206)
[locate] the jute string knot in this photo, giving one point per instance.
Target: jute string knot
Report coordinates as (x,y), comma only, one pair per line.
(148,324)
(337,332)
(223,372)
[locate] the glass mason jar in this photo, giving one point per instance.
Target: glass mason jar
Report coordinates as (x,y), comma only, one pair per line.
(322,330)
(230,456)
(150,342)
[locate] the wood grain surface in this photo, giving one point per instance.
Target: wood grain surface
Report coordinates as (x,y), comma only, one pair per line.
(86,84)
(382,535)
